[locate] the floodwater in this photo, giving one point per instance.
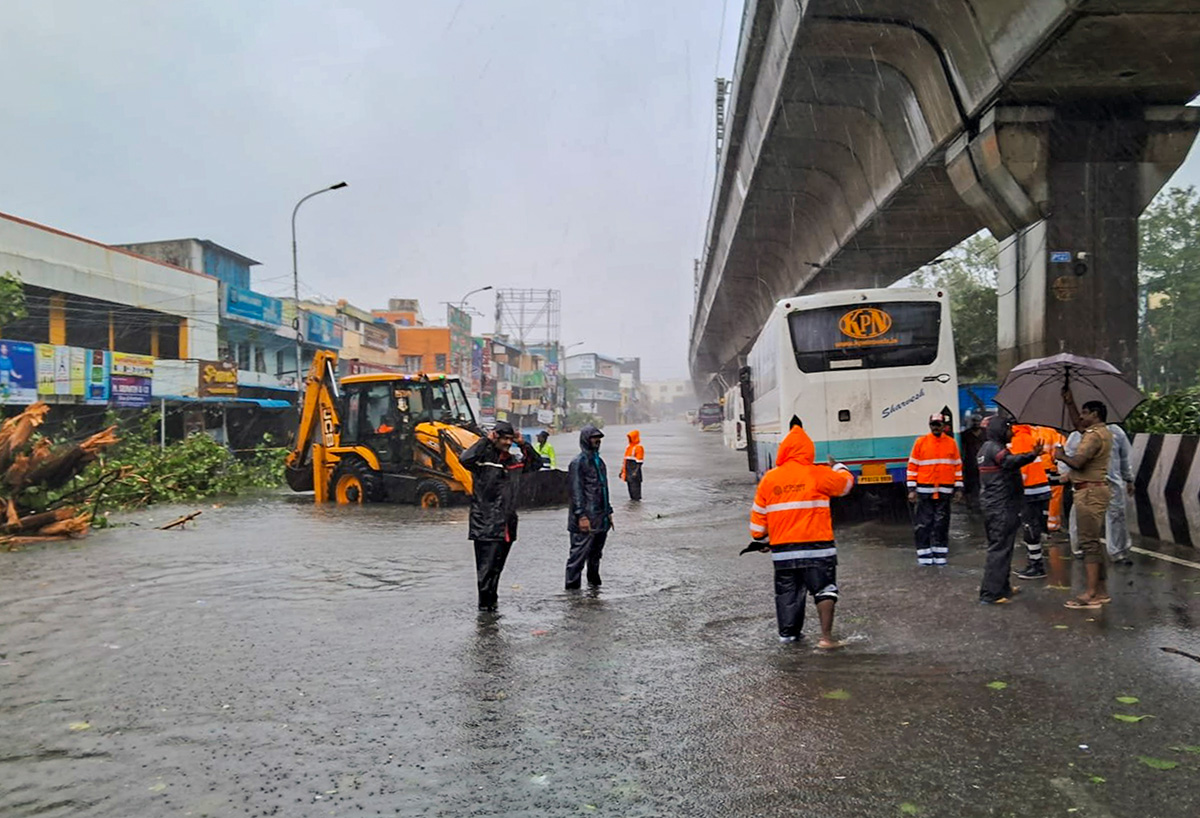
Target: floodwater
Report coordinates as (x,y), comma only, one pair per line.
(283,659)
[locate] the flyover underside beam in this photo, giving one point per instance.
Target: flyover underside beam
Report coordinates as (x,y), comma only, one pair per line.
(1068,186)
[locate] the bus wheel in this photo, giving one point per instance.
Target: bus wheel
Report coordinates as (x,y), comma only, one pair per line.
(433,494)
(354,481)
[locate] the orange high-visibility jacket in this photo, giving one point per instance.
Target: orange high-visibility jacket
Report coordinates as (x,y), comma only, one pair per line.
(1037,484)
(791,506)
(1049,438)
(935,467)
(635,451)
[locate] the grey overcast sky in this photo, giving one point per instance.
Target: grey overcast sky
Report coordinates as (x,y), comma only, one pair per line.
(519,143)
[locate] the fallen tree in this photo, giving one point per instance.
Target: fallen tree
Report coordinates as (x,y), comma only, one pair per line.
(33,473)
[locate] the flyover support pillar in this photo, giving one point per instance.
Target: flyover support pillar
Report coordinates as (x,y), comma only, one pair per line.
(1063,189)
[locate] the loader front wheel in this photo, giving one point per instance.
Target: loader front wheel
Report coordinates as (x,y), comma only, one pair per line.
(354,481)
(433,494)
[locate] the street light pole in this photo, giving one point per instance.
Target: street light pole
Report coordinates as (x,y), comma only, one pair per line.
(461,303)
(296,289)
(563,374)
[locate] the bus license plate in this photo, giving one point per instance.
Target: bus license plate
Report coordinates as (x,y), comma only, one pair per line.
(874,473)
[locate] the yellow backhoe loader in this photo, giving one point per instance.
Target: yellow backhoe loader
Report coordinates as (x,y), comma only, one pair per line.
(390,437)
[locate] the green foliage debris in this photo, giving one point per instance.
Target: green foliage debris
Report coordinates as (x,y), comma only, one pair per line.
(1158,763)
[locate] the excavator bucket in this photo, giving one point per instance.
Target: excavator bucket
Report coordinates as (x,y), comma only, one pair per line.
(543,488)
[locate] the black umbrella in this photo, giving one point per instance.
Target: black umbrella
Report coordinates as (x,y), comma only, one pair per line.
(1032,392)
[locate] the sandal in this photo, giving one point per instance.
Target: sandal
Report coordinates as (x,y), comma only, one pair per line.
(1082,604)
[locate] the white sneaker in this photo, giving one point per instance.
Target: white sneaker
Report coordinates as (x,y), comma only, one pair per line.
(786,640)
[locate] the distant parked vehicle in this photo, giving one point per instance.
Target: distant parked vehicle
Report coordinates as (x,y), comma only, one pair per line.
(691,416)
(710,417)
(734,427)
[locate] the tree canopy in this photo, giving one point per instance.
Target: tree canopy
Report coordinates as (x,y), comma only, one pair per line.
(1169,275)
(968,273)
(12,299)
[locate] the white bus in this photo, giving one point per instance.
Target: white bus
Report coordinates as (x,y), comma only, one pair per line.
(734,427)
(862,369)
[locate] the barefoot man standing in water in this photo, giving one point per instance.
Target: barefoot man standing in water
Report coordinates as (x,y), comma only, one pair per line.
(790,519)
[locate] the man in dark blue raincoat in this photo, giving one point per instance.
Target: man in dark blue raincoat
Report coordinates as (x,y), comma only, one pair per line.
(589,516)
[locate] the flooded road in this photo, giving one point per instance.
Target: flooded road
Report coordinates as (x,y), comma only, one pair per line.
(283,659)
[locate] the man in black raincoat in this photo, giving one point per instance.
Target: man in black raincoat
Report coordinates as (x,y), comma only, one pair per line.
(589,516)
(1002,493)
(494,502)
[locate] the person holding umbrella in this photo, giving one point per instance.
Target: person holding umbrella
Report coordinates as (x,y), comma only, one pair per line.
(1089,483)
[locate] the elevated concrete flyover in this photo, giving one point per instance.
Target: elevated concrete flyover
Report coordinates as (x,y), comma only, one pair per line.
(867,137)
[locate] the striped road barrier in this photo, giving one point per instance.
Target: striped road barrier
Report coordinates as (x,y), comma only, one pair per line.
(1166,488)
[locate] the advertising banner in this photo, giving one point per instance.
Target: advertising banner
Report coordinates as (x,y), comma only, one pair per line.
(18,373)
(459,322)
(130,382)
(130,392)
(62,370)
(45,369)
(476,365)
(582,366)
(96,377)
(376,336)
(217,379)
(250,306)
(77,358)
(324,331)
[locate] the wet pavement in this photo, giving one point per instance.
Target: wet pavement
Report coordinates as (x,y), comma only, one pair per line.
(283,659)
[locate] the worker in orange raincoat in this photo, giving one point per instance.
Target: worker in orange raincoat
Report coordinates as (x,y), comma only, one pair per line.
(791,519)
(1035,507)
(631,467)
(935,477)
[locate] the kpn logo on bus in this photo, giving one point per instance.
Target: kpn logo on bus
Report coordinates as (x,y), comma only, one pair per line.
(865,323)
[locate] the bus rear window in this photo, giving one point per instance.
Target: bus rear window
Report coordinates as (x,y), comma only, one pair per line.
(871,336)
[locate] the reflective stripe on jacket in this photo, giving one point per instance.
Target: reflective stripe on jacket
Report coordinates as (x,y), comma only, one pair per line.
(635,453)
(934,465)
(1033,476)
(791,506)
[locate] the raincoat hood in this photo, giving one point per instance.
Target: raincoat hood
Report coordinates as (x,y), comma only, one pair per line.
(585,433)
(797,447)
(998,428)
(635,437)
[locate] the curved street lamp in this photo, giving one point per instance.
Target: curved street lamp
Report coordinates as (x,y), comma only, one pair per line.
(461,303)
(296,286)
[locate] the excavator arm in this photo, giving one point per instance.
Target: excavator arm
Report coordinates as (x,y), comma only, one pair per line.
(319,428)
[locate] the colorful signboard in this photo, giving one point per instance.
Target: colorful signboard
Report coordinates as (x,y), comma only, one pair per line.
(376,336)
(45,369)
(76,365)
(18,373)
(250,306)
(130,380)
(96,365)
(129,392)
(459,322)
(324,331)
(217,379)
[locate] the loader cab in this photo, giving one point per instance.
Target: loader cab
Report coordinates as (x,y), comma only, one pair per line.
(382,412)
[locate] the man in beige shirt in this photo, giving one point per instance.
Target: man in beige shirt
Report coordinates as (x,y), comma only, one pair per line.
(1089,482)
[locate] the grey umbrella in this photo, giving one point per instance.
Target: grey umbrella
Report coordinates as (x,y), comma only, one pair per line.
(1032,392)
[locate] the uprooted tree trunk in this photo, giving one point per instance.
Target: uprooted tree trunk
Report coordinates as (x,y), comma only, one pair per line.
(29,462)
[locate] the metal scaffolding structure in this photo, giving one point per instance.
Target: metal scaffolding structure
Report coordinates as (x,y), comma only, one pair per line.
(530,318)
